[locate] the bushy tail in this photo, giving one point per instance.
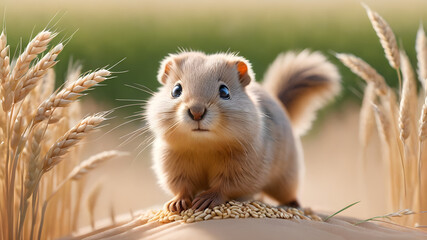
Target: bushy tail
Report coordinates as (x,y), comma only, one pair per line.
(303,82)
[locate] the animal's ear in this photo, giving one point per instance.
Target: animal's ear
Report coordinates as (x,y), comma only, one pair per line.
(244,71)
(165,69)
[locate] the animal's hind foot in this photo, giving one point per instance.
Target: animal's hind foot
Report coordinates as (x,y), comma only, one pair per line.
(207,199)
(178,204)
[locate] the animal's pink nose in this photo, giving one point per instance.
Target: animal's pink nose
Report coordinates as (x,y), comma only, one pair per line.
(197,112)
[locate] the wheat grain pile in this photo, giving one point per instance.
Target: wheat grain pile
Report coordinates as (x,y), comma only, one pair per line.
(232,209)
(400,118)
(41,175)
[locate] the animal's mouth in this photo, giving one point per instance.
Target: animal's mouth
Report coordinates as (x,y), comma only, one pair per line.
(200,130)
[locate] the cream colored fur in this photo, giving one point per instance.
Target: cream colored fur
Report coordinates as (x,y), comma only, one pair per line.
(249,147)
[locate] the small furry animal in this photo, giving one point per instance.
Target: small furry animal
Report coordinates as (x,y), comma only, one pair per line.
(219,135)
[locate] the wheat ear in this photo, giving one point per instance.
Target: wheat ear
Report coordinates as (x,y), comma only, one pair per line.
(421,47)
(386,36)
(70,93)
(401,213)
(422,134)
(70,138)
(93,162)
(30,80)
(408,101)
(7,94)
(4,58)
(34,164)
(34,48)
(18,128)
(423,122)
(364,70)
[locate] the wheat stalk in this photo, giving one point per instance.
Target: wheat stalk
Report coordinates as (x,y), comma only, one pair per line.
(421,49)
(384,125)
(386,36)
(71,138)
(31,78)
(91,202)
(364,70)
(407,125)
(112,215)
(69,94)
(367,118)
(386,128)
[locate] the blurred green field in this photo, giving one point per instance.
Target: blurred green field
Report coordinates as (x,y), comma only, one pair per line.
(144,32)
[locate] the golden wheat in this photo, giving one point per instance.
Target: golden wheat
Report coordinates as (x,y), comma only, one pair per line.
(34,48)
(30,147)
(6,92)
(421,49)
(29,81)
(4,58)
(408,101)
(94,161)
(364,70)
(71,138)
(386,36)
(423,122)
(70,93)
(401,135)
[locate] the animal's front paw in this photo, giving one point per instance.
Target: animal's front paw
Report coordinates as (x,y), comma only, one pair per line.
(178,204)
(207,200)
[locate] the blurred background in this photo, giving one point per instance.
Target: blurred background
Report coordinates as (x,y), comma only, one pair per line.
(143,32)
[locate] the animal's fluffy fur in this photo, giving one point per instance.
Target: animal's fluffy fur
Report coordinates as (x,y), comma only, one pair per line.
(249,145)
(303,82)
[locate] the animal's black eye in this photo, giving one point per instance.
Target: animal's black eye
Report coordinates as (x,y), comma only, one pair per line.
(224,93)
(176,91)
